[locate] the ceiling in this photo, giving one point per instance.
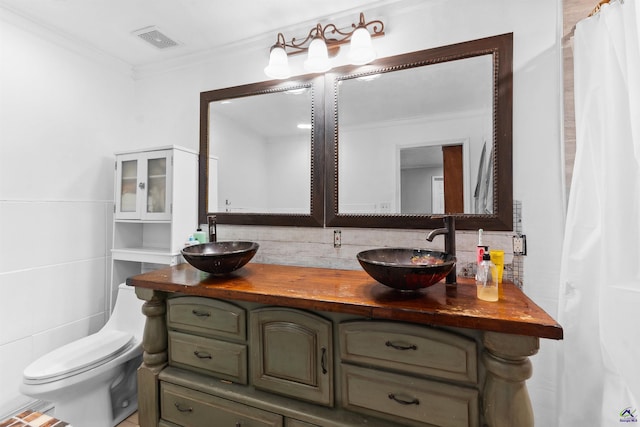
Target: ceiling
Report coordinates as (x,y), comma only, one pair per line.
(197,25)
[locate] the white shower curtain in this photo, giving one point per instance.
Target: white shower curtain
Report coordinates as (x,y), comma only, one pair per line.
(599,301)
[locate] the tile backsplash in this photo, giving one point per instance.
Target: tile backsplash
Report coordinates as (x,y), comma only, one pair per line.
(313,247)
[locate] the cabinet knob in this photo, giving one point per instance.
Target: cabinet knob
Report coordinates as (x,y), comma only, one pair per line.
(141,185)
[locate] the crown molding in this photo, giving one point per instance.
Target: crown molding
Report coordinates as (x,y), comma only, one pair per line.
(57,37)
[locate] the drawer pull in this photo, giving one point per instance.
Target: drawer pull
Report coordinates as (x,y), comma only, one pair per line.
(199,313)
(402,401)
(401,347)
(181,408)
(202,354)
(323,360)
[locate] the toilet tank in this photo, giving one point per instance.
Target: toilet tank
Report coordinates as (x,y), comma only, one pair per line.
(127,313)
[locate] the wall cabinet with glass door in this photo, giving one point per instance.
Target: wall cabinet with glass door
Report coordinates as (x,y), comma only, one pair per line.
(155,209)
(142,185)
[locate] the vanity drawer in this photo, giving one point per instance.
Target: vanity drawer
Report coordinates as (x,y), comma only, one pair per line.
(188,407)
(209,356)
(207,316)
(417,402)
(409,348)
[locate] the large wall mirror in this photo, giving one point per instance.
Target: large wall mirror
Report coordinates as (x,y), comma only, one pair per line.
(395,144)
(261,153)
(420,135)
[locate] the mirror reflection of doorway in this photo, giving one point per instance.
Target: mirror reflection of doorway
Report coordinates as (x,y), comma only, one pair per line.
(437,194)
(420,168)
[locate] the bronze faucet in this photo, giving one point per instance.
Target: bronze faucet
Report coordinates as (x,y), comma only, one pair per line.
(449,230)
(213,234)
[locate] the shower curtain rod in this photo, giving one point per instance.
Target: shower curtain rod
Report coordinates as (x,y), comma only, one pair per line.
(595,10)
(598,6)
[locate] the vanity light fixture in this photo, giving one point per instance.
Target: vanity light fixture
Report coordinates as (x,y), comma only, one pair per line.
(323,42)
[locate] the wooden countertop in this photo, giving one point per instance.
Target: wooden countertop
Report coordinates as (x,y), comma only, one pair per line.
(355,292)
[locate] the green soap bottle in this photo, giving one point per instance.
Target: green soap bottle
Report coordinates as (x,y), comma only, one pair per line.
(200,236)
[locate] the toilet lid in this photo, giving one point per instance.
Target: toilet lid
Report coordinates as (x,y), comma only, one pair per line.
(79,355)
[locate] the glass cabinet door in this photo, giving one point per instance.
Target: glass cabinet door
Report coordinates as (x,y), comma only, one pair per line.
(143,186)
(157,204)
(129,186)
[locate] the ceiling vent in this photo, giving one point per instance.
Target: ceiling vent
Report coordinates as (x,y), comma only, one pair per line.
(152,35)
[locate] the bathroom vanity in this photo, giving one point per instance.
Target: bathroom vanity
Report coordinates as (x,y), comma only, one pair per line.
(273,345)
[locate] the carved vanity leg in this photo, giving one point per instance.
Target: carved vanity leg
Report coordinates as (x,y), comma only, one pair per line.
(506,400)
(154,357)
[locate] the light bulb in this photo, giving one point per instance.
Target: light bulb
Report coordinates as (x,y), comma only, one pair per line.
(317,57)
(361,50)
(278,67)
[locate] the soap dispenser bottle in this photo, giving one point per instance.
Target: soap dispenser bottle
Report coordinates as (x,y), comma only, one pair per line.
(200,235)
(480,248)
(487,279)
(191,241)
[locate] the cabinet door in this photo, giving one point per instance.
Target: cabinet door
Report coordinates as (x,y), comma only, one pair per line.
(127,187)
(157,178)
(143,185)
(292,354)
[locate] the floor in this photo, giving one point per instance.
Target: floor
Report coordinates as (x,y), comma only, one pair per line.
(132,421)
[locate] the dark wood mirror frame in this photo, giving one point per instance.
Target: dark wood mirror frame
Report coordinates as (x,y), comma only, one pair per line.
(316,215)
(501,49)
(324,163)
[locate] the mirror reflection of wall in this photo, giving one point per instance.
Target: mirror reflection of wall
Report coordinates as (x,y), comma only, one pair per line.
(381,114)
(421,180)
(262,147)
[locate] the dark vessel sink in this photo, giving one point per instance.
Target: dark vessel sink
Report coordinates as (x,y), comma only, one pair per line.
(406,269)
(220,257)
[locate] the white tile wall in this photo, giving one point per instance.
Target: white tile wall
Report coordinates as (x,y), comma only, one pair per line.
(55,284)
(44,233)
(50,339)
(56,192)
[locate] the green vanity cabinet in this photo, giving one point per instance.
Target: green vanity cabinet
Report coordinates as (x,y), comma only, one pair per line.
(308,347)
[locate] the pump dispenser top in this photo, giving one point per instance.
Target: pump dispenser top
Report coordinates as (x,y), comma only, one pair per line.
(481,248)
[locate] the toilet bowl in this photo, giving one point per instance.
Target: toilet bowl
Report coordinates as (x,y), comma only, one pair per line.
(92,381)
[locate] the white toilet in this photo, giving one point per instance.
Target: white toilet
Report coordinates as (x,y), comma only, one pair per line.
(92,381)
